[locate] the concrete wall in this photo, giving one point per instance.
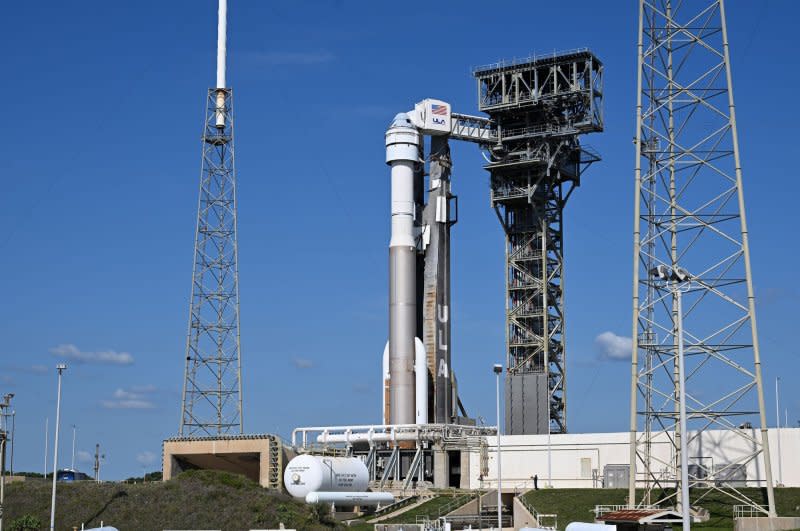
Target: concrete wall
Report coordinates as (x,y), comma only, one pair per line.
(766,524)
(256,457)
(574,457)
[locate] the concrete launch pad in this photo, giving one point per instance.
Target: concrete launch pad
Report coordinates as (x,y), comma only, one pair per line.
(259,457)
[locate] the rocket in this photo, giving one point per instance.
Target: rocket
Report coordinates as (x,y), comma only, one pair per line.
(402,155)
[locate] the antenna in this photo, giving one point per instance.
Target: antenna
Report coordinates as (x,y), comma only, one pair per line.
(222,37)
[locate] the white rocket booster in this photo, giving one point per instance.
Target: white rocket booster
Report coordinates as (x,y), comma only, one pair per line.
(402,154)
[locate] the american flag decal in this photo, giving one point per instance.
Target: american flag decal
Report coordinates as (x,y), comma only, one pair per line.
(439,110)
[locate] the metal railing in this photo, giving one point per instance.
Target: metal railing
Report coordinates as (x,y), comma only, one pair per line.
(750,511)
(600,509)
(530,59)
(540,518)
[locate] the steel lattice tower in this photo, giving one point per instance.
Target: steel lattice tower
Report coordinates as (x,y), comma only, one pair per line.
(212,389)
(540,107)
(689,213)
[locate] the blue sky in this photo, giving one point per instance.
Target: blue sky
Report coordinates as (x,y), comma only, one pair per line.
(104,108)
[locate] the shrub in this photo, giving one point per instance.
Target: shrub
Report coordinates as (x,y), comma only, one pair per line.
(27,522)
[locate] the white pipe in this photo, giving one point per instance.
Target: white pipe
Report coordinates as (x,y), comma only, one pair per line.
(350,499)
(421,381)
(332,438)
(222,33)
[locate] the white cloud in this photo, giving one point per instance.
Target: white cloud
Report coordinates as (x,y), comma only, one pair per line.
(84,456)
(71,352)
(133,398)
(127,404)
(302,363)
(145,458)
(610,346)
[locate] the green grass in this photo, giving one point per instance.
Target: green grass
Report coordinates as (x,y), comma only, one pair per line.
(194,500)
(573,505)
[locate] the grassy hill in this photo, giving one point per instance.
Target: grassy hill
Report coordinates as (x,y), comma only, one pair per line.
(194,500)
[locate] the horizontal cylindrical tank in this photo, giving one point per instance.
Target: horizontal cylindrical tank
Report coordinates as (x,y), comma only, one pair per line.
(312,473)
(350,499)
(584,526)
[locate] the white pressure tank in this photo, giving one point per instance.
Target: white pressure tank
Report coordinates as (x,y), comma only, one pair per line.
(312,473)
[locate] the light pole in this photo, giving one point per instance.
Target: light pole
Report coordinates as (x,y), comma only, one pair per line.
(778,423)
(3,440)
(676,278)
(549,445)
(498,370)
(72,466)
(60,368)
(46,442)
(13,431)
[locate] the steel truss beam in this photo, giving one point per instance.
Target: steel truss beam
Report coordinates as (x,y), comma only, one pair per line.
(212,392)
(689,213)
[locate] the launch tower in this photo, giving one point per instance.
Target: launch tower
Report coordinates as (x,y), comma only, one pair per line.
(539,108)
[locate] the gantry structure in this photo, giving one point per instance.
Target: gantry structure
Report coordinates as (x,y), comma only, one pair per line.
(690,217)
(539,107)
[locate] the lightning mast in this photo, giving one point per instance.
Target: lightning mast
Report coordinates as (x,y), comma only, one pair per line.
(690,221)
(212,389)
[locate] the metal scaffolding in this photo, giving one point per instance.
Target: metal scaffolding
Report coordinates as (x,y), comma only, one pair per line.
(539,107)
(212,391)
(689,214)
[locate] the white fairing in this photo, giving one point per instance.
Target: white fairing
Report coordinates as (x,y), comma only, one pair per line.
(312,473)
(583,526)
(350,499)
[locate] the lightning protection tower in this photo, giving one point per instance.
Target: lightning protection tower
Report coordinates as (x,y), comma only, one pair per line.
(541,106)
(690,218)
(212,388)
